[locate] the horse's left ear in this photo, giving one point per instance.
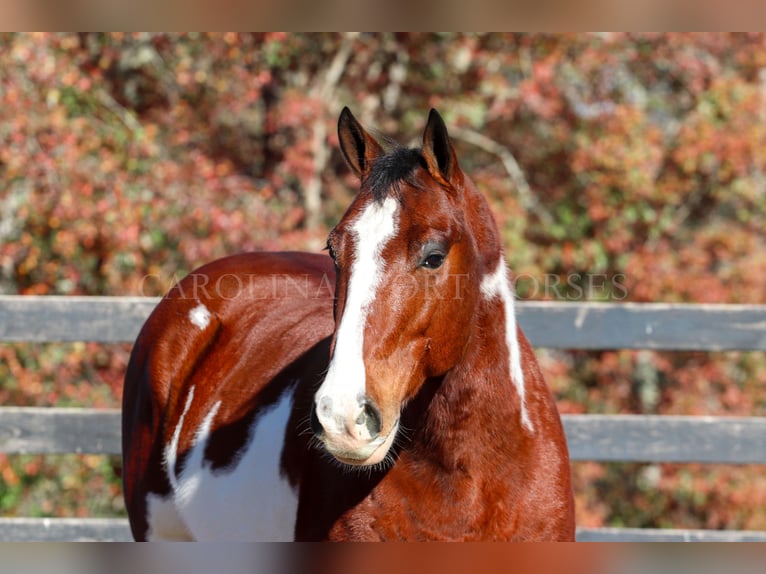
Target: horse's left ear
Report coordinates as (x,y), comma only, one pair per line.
(438,151)
(359,148)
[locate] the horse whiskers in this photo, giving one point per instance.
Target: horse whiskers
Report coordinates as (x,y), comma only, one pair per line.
(306,431)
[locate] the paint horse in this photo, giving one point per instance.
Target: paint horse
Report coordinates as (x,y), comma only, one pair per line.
(382,393)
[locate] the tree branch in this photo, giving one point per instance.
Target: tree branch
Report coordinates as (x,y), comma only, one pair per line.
(526,195)
(324,90)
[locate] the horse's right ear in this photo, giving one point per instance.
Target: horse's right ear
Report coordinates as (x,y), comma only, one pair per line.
(358,147)
(438,151)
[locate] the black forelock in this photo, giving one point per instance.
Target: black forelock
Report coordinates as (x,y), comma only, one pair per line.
(387,171)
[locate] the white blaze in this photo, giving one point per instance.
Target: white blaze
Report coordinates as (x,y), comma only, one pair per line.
(496,284)
(344,384)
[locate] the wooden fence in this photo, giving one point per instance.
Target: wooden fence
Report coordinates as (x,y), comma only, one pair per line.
(562,325)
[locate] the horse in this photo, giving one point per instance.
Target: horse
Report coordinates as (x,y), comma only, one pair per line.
(381,391)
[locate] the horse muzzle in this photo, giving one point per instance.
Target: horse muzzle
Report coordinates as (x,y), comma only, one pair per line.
(355,435)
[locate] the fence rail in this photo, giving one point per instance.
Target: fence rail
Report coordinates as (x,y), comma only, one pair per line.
(548,324)
(624,438)
(563,325)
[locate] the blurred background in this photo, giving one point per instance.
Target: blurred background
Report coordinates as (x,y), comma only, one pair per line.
(620,167)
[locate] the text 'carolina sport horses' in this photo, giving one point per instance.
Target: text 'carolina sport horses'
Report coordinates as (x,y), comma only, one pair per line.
(382,393)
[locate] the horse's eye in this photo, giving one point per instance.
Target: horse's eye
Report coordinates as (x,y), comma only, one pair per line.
(433,260)
(330,251)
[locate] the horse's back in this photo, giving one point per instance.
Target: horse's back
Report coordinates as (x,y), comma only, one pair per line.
(210,392)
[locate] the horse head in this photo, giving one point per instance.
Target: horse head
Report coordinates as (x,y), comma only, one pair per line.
(409,263)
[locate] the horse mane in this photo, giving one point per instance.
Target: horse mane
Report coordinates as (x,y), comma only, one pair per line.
(390,169)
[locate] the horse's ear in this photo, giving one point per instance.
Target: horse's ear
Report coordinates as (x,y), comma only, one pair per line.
(437,149)
(358,147)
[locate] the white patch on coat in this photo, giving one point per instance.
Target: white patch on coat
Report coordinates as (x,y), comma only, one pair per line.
(164,521)
(200,316)
(497,284)
(251,500)
(339,398)
(171,450)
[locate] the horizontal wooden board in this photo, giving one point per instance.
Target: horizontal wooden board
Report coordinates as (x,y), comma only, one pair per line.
(54,319)
(654,438)
(118,530)
(40,430)
(667,535)
(548,324)
(628,438)
(64,530)
(660,326)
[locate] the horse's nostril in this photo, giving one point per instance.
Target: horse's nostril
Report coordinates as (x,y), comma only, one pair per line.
(316,426)
(324,406)
(370,418)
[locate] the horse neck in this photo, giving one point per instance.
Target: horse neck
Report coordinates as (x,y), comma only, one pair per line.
(484,392)
(494,350)
(474,407)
